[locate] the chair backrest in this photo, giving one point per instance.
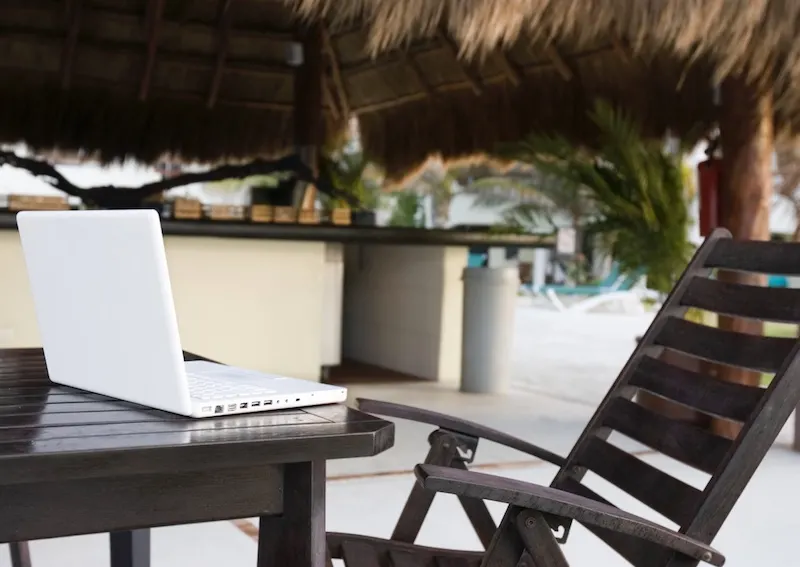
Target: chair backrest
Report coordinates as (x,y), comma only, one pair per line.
(627,282)
(699,510)
(612,278)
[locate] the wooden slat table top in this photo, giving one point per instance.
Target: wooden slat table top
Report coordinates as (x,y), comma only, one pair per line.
(47,429)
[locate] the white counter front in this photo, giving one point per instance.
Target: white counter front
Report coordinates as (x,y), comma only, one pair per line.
(254,303)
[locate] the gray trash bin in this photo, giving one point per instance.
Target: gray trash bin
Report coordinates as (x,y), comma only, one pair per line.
(490,296)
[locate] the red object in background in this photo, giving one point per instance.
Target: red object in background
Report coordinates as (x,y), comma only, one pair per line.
(708,176)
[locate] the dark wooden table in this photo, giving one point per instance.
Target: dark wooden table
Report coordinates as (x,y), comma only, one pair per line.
(73,463)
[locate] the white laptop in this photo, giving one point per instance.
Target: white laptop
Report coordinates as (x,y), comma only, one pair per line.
(107,321)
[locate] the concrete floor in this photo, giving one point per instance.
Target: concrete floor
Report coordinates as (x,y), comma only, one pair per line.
(563,364)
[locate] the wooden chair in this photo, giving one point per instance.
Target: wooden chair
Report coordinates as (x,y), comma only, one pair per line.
(535,513)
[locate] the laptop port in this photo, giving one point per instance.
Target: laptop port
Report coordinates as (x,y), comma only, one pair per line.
(255,404)
(297,399)
(243,405)
(219,409)
(267,402)
(231,407)
(206,409)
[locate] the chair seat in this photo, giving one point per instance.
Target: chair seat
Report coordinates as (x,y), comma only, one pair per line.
(363,551)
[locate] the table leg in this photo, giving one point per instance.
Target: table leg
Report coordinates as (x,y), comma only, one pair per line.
(20,554)
(296,538)
(130,549)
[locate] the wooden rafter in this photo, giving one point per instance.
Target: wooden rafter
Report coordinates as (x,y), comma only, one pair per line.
(223,39)
(469,73)
(559,63)
(511,69)
(622,49)
(408,59)
(329,99)
(70,43)
(336,71)
(155,9)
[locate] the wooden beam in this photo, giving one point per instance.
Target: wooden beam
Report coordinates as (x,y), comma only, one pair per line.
(408,59)
(330,99)
(223,41)
(336,70)
(74,8)
(747,138)
(472,77)
(559,63)
(308,93)
(622,49)
(155,8)
(510,68)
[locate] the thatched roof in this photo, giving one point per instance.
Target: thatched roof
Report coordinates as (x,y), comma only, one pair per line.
(208,79)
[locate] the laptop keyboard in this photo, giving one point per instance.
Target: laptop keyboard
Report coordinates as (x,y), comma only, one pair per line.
(216,388)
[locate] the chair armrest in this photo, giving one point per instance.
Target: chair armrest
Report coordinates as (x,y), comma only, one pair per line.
(457,425)
(561,504)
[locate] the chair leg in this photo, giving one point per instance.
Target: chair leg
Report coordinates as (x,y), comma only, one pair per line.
(443,451)
(478,514)
(539,541)
(20,554)
(130,548)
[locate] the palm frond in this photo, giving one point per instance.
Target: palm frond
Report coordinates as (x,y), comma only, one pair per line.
(635,192)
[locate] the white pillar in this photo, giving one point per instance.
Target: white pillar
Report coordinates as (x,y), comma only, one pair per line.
(541,257)
(489,306)
(333,287)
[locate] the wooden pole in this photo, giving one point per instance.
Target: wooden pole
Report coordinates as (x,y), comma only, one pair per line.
(747,137)
(308,109)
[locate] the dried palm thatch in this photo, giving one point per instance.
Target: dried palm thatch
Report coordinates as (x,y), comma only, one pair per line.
(539,64)
(737,34)
(208,80)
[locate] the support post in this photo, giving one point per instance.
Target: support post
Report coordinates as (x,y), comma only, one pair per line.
(308,79)
(747,137)
(297,537)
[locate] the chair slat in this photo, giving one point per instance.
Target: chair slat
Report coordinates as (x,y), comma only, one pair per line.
(405,559)
(755,256)
(740,300)
(359,554)
(638,552)
(753,352)
(703,393)
(670,497)
(683,442)
(452,562)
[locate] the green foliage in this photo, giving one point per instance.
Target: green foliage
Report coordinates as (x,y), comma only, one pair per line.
(439,181)
(406,209)
(532,198)
(352,173)
(637,191)
(256,181)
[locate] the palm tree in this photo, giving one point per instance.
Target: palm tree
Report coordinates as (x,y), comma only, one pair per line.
(637,189)
(532,199)
(406,209)
(349,171)
(437,180)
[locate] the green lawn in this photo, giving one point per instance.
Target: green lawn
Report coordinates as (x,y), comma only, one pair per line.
(780,330)
(777,330)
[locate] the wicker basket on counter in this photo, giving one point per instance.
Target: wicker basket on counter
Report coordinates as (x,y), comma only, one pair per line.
(187,209)
(262,213)
(37,203)
(226,213)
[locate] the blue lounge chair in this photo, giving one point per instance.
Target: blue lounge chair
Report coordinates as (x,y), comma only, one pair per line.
(615,287)
(609,283)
